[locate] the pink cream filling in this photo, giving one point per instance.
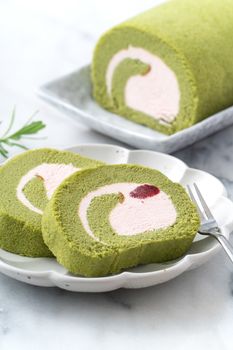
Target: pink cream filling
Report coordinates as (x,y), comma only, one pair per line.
(51,174)
(156,93)
(132,215)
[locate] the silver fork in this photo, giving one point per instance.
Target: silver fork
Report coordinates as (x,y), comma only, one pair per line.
(209,225)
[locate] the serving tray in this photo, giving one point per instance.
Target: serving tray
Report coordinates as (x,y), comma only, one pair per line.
(72,95)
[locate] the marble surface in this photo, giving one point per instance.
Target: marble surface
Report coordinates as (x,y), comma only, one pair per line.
(39,41)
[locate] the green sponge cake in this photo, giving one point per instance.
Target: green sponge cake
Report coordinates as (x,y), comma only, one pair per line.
(169,67)
(102,220)
(27,183)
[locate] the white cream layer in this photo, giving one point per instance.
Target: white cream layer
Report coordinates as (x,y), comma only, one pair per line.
(51,174)
(134,215)
(156,93)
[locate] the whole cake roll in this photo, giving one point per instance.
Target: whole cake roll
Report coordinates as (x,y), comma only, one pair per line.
(102,220)
(169,67)
(27,184)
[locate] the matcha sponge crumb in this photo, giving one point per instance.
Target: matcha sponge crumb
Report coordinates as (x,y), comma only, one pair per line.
(193,38)
(103,251)
(21,211)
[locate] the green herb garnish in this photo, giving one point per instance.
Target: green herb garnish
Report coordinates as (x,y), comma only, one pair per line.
(9,138)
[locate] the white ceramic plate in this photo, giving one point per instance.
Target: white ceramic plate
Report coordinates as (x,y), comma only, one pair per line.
(47,272)
(72,94)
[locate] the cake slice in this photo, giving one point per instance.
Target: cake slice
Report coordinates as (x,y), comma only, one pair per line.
(170,67)
(100,221)
(27,184)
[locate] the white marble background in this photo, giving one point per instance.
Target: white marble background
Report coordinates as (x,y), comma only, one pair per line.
(40,40)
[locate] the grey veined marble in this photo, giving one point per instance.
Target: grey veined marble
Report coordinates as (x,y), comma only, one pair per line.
(40,40)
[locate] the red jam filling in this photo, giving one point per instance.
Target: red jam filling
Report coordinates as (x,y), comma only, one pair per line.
(144,191)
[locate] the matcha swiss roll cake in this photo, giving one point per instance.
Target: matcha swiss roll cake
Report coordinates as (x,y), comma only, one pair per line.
(170,67)
(102,220)
(27,183)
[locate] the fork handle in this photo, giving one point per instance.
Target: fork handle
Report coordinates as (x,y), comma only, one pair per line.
(225,243)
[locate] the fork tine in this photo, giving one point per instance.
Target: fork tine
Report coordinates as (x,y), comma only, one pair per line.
(202,217)
(203,203)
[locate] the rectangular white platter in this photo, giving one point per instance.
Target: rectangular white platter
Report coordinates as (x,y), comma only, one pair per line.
(72,94)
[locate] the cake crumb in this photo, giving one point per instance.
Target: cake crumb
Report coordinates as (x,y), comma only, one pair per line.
(121,197)
(148,69)
(39,177)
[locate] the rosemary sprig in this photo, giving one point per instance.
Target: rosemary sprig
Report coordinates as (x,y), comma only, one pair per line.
(9,139)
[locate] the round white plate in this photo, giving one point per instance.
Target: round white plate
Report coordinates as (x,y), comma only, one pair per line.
(47,272)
